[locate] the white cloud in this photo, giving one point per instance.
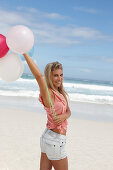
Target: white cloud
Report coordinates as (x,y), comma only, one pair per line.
(42,14)
(9,19)
(54,16)
(107,59)
(87,10)
(89,34)
(46,32)
(86,70)
(20,8)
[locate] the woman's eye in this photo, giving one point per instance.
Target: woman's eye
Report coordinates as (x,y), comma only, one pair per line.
(56,75)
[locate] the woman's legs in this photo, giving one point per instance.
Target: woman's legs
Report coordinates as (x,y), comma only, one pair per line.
(55,149)
(61,164)
(45,163)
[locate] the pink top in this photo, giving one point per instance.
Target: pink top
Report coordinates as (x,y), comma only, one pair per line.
(60,106)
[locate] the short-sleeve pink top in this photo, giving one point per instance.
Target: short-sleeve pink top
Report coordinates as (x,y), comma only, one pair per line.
(60,106)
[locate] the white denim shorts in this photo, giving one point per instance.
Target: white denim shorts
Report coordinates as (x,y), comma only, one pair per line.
(53,144)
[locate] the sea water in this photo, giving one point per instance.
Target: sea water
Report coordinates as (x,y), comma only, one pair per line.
(82,90)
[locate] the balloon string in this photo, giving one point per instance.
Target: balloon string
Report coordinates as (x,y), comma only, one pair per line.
(50,102)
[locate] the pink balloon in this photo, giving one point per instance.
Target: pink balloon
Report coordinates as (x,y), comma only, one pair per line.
(3,46)
(20,39)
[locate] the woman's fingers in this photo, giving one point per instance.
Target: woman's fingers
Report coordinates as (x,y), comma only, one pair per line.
(58,121)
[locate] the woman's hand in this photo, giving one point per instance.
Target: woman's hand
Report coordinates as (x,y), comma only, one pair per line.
(58,119)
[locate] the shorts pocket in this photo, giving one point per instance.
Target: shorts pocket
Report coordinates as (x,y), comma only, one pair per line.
(62,148)
(52,148)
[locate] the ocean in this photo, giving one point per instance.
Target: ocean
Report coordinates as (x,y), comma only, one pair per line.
(82,90)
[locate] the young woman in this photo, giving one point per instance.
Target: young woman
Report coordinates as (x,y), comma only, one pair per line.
(53,97)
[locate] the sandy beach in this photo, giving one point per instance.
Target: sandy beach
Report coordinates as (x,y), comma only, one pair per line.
(89,142)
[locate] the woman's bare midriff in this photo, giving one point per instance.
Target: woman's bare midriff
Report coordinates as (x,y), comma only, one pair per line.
(57,131)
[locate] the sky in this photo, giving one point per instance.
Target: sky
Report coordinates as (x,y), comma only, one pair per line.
(77,33)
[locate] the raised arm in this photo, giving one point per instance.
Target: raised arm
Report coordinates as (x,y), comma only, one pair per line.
(33,67)
(39,78)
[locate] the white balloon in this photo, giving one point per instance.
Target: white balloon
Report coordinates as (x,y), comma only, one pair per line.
(11,67)
(20,39)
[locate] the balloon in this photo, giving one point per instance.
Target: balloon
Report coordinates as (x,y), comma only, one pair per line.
(20,39)
(3,46)
(11,67)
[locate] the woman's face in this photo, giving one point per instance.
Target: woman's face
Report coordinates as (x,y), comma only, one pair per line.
(57,78)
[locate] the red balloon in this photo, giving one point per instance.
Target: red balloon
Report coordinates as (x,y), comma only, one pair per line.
(3,46)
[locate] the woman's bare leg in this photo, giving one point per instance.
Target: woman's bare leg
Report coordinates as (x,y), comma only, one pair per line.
(60,164)
(45,163)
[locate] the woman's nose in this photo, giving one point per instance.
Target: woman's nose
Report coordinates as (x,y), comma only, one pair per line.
(59,78)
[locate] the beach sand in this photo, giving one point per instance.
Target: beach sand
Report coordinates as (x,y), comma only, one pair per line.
(89,143)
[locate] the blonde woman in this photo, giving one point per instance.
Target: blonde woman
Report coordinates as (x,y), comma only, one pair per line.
(53,97)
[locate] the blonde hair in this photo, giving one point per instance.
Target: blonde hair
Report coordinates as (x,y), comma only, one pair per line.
(48,74)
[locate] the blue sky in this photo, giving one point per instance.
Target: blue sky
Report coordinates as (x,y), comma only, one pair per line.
(77,33)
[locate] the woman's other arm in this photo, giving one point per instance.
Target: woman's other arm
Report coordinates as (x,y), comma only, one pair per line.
(68,113)
(61,118)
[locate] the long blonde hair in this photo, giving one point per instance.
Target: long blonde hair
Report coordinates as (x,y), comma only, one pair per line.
(48,73)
